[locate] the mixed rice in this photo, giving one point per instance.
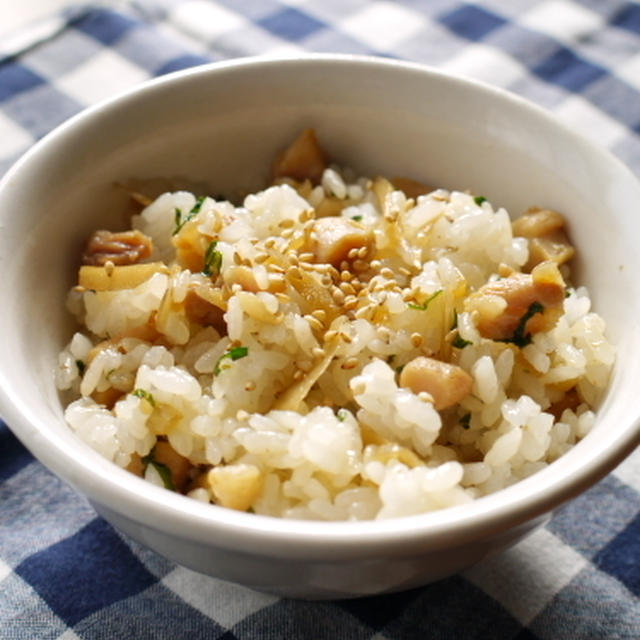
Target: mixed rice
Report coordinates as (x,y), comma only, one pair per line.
(336,347)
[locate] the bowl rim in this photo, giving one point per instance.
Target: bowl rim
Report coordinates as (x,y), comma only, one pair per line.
(107,484)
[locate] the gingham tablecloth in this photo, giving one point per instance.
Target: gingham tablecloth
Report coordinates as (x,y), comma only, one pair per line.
(65,573)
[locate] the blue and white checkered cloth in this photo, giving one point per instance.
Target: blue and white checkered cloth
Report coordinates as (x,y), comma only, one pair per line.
(65,573)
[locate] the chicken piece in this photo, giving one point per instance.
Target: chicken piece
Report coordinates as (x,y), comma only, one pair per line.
(115,278)
(302,160)
(235,486)
(513,308)
(202,309)
(179,466)
(447,384)
(108,397)
(410,188)
(570,400)
(335,237)
(123,247)
(544,228)
(136,465)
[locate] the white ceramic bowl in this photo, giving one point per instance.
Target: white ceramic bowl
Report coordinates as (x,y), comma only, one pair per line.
(222,124)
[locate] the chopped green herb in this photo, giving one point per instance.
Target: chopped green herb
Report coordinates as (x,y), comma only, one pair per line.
(567,293)
(235,353)
(198,204)
(145,395)
(465,420)
(425,304)
(479,200)
(212,260)
(181,220)
(341,414)
(459,342)
(520,338)
(356,218)
(81,367)
(455,320)
(163,471)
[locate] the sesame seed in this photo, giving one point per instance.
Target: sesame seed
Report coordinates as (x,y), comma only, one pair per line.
(317,352)
(287,223)
(349,363)
(360,265)
(385,272)
(346,337)
(353,253)
(294,272)
(109,267)
(276,268)
(363,312)
(345,287)
(321,314)
(337,295)
(314,323)
(350,303)
(344,266)
(236,258)
(358,389)
(375,264)
(298,375)
(346,276)
(259,258)
(330,335)
(242,415)
(403,271)
(307,256)
(362,251)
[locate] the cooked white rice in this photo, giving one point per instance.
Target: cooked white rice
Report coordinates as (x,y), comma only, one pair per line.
(357,445)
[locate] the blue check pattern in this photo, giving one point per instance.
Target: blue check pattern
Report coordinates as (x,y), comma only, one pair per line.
(65,573)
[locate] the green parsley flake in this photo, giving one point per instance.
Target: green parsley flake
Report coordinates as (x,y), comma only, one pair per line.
(341,414)
(479,200)
(465,420)
(181,220)
(426,303)
(212,260)
(163,471)
(520,338)
(356,218)
(235,353)
(144,395)
(459,342)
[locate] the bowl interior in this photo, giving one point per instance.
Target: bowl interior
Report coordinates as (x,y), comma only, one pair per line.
(222,125)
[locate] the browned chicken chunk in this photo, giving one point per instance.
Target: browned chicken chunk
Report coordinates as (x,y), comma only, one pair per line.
(544,229)
(119,248)
(447,384)
(513,308)
(303,159)
(335,237)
